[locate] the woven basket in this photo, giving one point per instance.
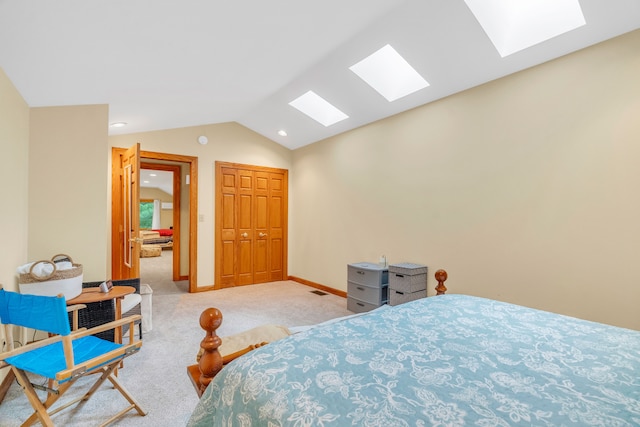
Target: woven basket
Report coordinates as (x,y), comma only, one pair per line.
(65,282)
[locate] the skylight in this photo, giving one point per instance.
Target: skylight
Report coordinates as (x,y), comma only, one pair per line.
(318,109)
(389,74)
(516,25)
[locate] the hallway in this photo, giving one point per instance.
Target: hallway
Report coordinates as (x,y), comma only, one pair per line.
(156,272)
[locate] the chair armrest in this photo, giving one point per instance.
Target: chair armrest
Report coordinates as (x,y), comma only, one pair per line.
(31,346)
(105,327)
(90,364)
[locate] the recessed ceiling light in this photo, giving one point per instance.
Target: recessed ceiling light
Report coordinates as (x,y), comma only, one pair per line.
(389,74)
(516,25)
(118,124)
(318,109)
(145,181)
(153,174)
(282,132)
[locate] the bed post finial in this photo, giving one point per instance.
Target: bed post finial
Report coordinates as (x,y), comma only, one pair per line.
(211,361)
(441,276)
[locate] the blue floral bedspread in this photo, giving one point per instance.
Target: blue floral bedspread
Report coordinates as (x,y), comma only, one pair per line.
(450,360)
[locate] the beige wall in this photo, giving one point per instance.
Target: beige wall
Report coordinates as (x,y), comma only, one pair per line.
(228,142)
(526,189)
(14,143)
(68,185)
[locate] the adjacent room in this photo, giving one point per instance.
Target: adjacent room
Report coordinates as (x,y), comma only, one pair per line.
(254,161)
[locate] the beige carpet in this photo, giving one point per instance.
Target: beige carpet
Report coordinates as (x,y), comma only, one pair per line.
(156,376)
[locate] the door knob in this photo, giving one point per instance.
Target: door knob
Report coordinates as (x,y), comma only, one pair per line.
(262,234)
(245,235)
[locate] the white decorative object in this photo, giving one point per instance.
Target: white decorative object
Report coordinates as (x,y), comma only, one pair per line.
(51,281)
(146,307)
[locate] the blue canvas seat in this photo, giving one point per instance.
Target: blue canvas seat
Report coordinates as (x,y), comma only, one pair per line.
(64,357)
(48,361)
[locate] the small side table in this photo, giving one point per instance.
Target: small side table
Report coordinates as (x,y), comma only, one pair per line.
(116,293)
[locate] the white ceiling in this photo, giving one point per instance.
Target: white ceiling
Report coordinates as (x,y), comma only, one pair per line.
(153,178)
(163,64)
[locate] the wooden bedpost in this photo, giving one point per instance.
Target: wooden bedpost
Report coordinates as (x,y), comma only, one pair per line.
(210,362)
(441,276)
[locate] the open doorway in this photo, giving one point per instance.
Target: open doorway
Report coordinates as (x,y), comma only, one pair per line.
(160,226)
(184,240)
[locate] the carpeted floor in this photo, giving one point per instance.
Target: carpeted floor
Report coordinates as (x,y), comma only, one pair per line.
(156,376)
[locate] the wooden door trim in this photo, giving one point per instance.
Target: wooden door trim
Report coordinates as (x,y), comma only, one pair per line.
(193,208)
(218,220)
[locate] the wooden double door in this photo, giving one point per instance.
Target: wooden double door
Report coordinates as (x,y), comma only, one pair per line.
(251,224)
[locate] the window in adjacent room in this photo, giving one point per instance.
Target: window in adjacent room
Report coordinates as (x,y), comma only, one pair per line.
(146,213)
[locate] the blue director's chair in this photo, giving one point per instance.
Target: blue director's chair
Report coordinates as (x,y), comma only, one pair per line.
(64,357)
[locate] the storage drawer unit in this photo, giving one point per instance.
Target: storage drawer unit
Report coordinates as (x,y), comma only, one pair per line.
(407,282)
(358,306)
(368,274)
(408,277)
(374,295)
(367,286)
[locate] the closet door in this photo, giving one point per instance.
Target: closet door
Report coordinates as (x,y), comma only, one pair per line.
(261,249)
(277,221)
(226,226)
(246,220)
(251,224)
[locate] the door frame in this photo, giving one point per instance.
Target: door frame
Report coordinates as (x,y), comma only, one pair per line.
(193,210)
(176,200)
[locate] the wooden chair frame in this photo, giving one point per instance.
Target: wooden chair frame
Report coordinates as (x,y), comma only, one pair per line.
(105,365)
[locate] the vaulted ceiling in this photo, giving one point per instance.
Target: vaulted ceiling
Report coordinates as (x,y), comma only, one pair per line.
(163,64)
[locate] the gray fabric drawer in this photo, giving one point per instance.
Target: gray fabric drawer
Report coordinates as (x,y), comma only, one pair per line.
(407,283)
(398,297)
(408,268)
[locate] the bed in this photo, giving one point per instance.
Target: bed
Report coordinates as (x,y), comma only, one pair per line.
(450,360)
(161,237)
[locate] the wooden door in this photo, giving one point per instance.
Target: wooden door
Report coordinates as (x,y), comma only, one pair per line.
(245,202)
(270,226)
(278,185)
(125,212)
(251,224)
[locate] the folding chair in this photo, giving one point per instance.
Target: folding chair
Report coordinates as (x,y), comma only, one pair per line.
(63,358)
